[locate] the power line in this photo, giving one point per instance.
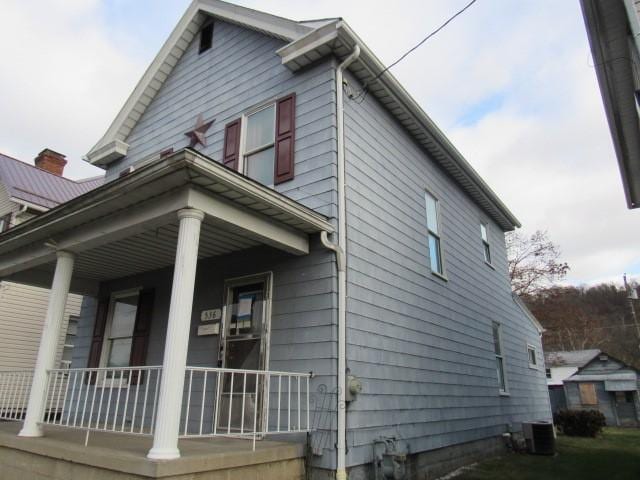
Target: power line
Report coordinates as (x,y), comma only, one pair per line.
(364,90)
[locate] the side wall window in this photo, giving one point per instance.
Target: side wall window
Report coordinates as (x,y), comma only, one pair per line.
(532,353)
(485,243)
(433,234)
(497,347)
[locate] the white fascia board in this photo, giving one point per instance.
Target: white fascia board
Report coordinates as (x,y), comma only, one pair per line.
(230,216)
(108,153)
(148,77)
(341,30)
(257,191)
(30,205)
(159,70)
(98,232)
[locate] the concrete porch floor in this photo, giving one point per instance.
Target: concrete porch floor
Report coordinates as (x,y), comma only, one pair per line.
(61,454)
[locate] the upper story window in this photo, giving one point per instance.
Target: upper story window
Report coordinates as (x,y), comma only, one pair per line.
(259,145)
(433,232)
(532,353)
(547,372)
(206,38)
(485,243)
(500,366)
(5,223)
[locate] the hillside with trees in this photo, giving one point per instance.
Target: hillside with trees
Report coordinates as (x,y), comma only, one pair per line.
(600,316)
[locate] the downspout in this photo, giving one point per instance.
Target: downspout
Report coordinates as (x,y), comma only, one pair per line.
(340,251)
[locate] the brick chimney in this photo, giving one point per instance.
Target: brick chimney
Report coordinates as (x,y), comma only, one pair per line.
(51,161)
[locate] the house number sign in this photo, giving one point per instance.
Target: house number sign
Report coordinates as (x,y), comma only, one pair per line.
(211,315)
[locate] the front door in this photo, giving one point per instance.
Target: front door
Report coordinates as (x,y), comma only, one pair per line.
(244,346)
(626,409)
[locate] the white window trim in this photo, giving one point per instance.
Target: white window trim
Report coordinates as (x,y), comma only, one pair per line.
(441,275)
(503,392)
(243,153)
(104,353)
(533,366)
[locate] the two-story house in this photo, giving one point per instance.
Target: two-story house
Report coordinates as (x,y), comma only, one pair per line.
(286,250)
(26,191)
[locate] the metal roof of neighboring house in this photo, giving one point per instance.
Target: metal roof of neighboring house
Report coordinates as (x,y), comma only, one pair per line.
(308,42)
(574,358)
(36,187)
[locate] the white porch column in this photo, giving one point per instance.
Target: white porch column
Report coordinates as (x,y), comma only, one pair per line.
(165,437)
(48,343)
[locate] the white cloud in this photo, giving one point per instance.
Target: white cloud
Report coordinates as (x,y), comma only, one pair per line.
(542,144)
(64,78)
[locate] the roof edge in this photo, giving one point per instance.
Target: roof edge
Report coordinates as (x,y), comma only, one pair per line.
(172,50)
(325,36)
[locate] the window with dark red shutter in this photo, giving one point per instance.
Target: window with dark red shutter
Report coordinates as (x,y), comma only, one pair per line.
(98,337)
(285,137)
(231,144)
(141,329)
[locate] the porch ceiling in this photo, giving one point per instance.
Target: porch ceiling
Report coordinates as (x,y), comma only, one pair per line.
(130,226)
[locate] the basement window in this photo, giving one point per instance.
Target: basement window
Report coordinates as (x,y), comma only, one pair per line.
(206,37)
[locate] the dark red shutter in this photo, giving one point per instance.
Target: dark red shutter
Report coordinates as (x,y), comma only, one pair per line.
(285,137)
(231,144)
(98,337)
(141,329)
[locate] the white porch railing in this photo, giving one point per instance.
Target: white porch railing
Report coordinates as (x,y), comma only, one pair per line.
(15,386)
(122,400)
(216,401)
(232,402)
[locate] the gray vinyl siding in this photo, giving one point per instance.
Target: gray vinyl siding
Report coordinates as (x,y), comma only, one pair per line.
(239,72)
(303,324)
(22,312)
(423,346)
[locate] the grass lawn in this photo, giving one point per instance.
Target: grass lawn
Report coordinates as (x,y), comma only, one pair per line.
(614,455)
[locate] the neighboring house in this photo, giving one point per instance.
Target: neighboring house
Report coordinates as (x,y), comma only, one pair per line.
(608,385)
(26,191)
(262,220)
(561,365)
(613,28)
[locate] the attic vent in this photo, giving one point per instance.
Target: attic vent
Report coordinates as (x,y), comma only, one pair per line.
(603,358)
(206,37)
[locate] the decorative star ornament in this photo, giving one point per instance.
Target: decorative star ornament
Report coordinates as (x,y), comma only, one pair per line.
(197,135)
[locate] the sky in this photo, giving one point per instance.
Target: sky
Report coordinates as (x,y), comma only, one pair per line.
(511,83)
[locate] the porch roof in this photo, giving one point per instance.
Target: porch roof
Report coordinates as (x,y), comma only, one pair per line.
(129,225)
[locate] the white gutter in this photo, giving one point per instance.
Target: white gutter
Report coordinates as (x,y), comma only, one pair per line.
(340,251)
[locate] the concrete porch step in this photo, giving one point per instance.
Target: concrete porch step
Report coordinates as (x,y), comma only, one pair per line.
(61,455)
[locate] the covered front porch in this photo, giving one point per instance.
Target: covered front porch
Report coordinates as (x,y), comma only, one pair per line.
(61,455)
(189,252)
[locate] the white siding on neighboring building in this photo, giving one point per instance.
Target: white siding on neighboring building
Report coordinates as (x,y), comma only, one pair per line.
(22,312)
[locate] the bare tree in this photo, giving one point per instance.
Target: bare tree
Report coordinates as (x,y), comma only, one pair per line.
(534,262)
